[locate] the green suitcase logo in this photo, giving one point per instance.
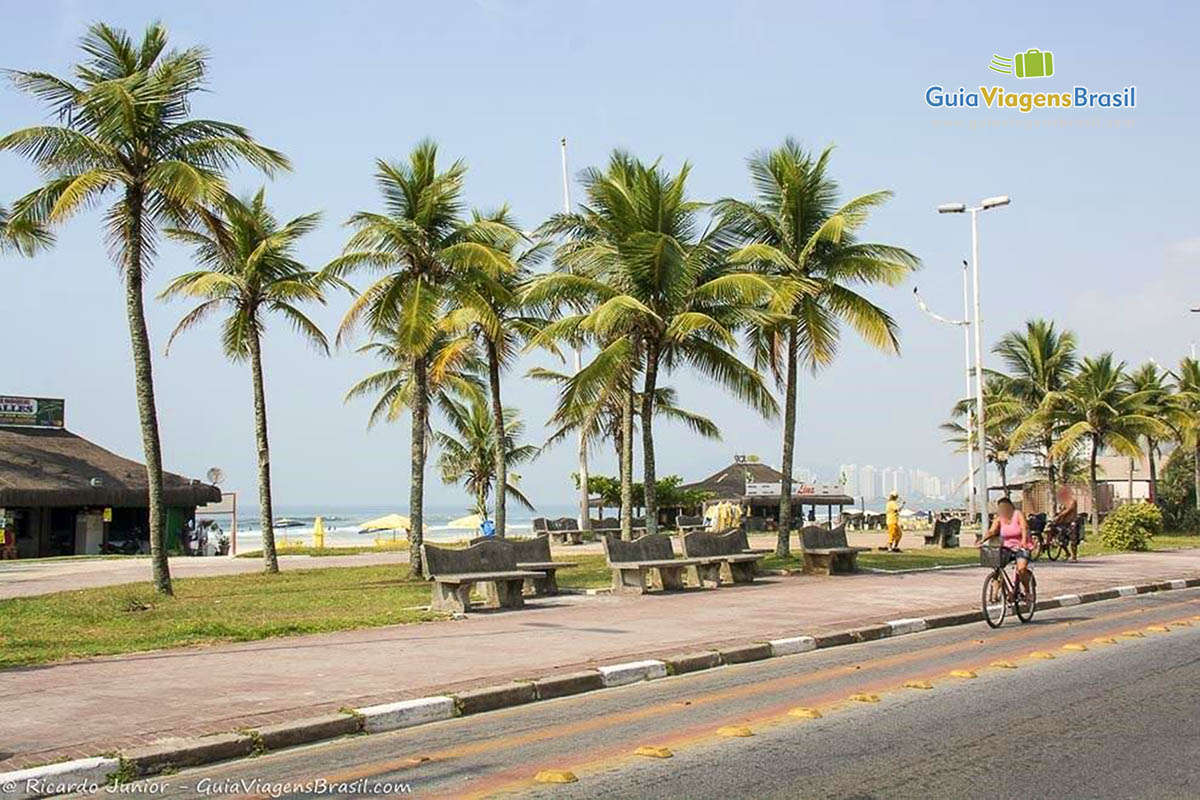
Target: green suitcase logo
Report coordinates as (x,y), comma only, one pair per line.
(1033,63)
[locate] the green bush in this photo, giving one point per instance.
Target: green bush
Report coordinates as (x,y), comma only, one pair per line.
(1177,491)
(1131,527)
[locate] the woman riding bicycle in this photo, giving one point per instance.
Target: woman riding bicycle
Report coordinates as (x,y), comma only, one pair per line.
(1010,525)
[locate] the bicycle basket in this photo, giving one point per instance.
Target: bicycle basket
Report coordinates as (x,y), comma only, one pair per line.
(993,557)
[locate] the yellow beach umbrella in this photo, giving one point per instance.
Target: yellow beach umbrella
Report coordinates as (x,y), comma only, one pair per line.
(470,522)
(391,522)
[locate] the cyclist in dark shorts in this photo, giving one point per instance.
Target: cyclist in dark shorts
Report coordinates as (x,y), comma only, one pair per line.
(1010,525)
(1064,520)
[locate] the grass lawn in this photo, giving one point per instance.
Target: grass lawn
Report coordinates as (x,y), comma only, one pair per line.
(398,547)
(130,617)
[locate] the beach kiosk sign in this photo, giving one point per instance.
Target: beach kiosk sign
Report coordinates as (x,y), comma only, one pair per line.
(32,412)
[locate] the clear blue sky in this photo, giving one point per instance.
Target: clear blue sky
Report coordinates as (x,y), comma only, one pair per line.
(1102,233)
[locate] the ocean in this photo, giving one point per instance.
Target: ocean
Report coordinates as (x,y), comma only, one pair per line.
(342,522)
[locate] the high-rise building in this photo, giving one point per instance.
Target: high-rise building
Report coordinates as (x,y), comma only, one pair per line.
(868,488)
(848,477)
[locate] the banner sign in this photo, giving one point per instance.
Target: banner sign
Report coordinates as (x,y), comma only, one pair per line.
(32,412)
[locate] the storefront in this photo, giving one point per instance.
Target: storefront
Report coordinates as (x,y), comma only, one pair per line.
(61,494)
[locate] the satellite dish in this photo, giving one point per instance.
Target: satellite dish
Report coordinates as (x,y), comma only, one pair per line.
(215,476)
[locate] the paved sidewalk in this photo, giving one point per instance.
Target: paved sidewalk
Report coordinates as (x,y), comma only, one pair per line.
(80,708)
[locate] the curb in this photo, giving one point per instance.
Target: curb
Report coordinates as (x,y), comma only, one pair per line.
(171,754)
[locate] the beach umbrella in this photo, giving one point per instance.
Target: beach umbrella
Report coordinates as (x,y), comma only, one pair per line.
(470,522)
(391,522)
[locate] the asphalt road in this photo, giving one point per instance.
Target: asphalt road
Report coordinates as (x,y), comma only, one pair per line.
(1119,719)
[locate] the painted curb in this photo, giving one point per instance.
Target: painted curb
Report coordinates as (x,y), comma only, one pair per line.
(632,672)
(406,713)
(172,754)
(792,646)
(85,775)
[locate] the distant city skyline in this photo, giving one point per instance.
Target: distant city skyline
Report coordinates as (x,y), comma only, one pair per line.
(871,483)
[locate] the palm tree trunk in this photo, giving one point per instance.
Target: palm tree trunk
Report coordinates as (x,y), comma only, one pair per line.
(416,497)
(1052,473)
(144,387)
(648,471)
(1003,466)
(501,463)
(1196,469)
(627,460)
(1153,471)
(265,512)
(1095,488)
(783,546)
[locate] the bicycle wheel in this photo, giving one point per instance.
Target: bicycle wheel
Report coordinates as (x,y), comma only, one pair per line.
(1054,548)
(995,599)
(1039,545)
(1026,602)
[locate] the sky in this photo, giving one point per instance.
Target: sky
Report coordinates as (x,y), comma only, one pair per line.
(1102,234)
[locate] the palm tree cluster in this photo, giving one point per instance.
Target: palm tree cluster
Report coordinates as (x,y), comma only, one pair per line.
(1064,411)
(650,280)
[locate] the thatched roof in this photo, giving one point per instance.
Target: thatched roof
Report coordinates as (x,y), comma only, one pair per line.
(47,467)
(730,484)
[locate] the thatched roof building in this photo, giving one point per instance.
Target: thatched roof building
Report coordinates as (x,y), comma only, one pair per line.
(49,468)
(732,484)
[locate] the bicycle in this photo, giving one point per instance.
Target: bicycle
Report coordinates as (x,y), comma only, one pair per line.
(1058,541)
(1001,591)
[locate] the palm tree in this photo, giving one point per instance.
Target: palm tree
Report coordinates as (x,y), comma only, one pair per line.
(432,261)
(467,451)
(1154,385)
(1187,402)
(1097,406)
(795,230)
(126,130)
(1004,413)
(659,289)
(511,322)
(22,236)
(248,268)
(1039,360)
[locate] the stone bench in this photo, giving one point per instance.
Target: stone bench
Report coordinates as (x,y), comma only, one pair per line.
(635,565)
(563,530)
(826,551)
(491,563)
(728,550)
(534,555)
(944,534)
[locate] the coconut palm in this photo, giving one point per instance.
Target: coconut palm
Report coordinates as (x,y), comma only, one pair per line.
(795,230)
(659,289)
(1154,385)
(513,322)
(1096,406)
(126,130)
(431,260)
(1039,360)
(248,269)
(1187,402)
(21,236)
(466,451)
(1004,412)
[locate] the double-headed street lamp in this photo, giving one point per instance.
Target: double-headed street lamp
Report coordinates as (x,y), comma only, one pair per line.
(980,426)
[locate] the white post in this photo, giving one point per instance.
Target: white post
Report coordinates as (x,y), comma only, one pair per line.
(584,512)
(967,376)
(980,422)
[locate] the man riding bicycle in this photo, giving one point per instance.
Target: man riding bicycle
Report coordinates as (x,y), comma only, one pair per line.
(1010,525)
(1063,523)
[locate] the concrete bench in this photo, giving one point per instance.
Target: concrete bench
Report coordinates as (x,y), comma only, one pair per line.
(826,551)
(534,555)
(563,530)
(635,565)
(944,534)
(728,550)
(455,571)
(687,524)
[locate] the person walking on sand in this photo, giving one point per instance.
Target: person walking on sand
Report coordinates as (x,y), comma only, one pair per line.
(892,509)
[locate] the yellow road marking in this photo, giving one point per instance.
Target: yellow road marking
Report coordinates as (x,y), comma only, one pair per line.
(734,730)
(1157,628)
(1105,640)
(1078,648)
(962,673)
(555,776)
(1042,654)
(653,752)
(1184,623)
(918,685)
(1133,634)
(1004,665)
(864,697)
(805,713)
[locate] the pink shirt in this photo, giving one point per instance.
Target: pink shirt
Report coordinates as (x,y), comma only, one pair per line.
(1010,532)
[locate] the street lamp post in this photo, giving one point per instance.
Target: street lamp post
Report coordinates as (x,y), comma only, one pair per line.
(585,516)
(965,324)
(980,422)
